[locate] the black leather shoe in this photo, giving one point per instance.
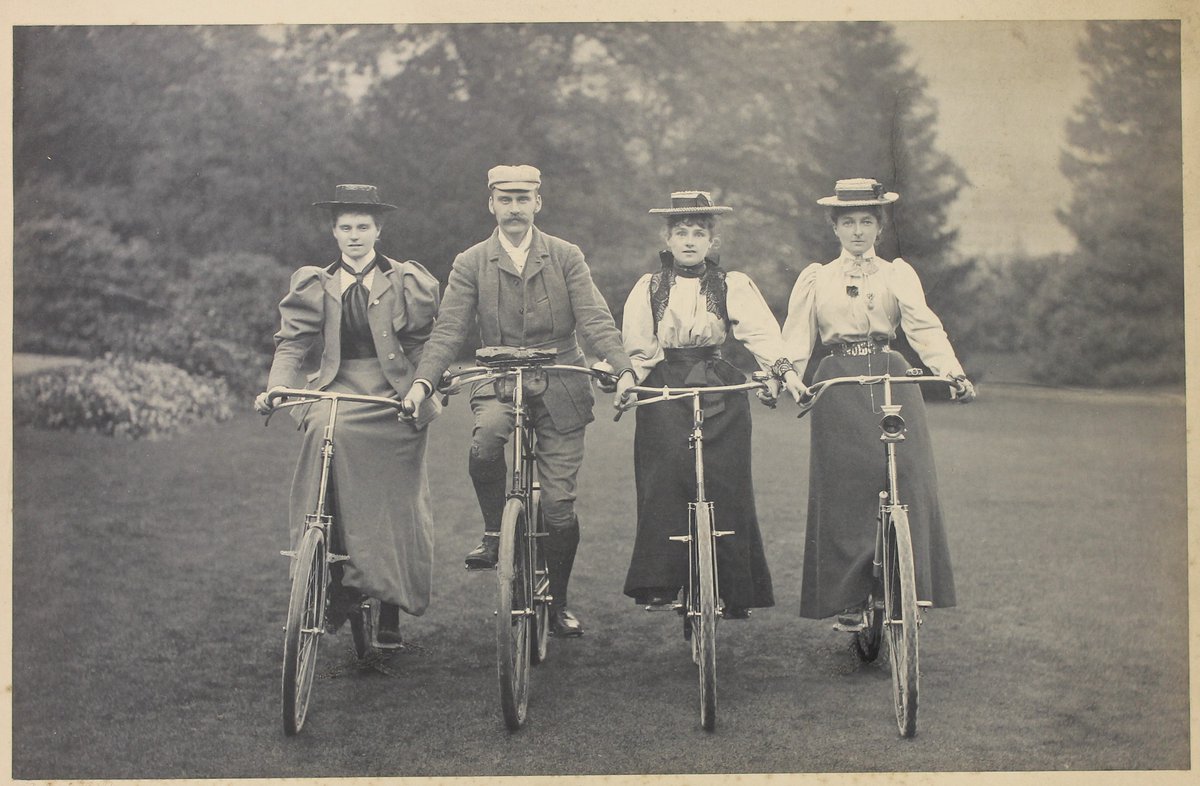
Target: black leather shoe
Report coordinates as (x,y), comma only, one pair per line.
(484,556)
(387,630)
(563,623)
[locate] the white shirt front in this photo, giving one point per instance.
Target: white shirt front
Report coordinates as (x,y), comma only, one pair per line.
(520,252)
(347,279)
(687,322)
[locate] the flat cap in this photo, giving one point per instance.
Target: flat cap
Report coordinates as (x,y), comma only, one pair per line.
(520,177)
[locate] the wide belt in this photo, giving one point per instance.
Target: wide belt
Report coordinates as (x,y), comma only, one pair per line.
(859,348)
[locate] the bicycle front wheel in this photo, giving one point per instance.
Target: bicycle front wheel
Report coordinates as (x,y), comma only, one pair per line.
(704,633)
(513,615)
(305,624)
(900,609)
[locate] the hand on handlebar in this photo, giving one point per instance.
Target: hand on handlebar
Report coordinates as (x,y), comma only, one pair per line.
(263,404)
(795,388)
(964,391)
(624,383)
(770,394)
(417,393)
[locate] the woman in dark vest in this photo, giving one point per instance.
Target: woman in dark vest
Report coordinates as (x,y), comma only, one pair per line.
(853,306)
(358,325)
(675,321)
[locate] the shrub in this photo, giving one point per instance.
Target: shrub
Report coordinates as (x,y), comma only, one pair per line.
(120,396)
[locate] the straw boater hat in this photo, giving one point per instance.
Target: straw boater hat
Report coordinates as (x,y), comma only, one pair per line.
(521,177)
(691,203)
(358,196)
(858,192)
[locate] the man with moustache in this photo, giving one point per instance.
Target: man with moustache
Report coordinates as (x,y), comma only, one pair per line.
(525,288)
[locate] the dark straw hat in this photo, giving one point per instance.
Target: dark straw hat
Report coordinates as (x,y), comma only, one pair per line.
(858,192)
(691,203)
(359,196)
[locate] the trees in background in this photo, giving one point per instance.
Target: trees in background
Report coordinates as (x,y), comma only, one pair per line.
(1113,314)
(192,154)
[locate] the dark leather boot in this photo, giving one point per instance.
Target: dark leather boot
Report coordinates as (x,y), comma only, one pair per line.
(489,478)
(559,547)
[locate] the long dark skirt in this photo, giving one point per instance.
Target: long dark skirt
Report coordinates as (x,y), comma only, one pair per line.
(383,514)
(847,470)
(664,468)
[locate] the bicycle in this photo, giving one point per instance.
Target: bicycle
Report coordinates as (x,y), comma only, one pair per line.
(523,602)
(701,604)
(312,559)
(892,610)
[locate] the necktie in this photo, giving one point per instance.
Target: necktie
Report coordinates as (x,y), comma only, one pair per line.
(354,299)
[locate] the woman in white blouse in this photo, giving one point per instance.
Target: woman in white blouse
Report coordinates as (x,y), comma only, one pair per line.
(674,324)
(852,307)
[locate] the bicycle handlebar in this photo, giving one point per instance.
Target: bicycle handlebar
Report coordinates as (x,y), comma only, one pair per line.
(809,399)
(670,393)
(451,383)
(302,396)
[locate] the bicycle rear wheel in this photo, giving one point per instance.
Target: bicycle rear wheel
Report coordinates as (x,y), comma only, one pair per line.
(867,640)
(305,624)
(704,633)
(900,608)
(541,582)
(513,615)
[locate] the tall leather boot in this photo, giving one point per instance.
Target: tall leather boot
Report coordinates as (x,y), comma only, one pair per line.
(489,478)
(559,546)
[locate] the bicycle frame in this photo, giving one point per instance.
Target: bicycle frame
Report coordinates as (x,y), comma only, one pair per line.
(893,610)
(311,561)
(702,602)
(523,578)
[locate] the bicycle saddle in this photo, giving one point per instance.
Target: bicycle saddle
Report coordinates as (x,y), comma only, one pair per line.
(503,357)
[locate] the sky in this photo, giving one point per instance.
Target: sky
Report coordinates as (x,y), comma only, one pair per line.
(1004,91)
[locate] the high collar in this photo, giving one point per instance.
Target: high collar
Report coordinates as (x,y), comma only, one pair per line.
(360,265)
(510,247)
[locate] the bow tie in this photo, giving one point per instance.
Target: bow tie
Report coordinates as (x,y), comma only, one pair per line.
(861,266)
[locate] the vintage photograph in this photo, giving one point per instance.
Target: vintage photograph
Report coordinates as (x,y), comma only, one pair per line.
(656,396)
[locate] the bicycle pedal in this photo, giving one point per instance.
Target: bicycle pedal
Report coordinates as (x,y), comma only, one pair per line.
(663,606)
(925,604)
(846,628)
(290,554)
(480,569)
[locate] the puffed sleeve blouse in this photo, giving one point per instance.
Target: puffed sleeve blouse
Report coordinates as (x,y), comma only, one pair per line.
(688,322)
(887,295)
(302,318)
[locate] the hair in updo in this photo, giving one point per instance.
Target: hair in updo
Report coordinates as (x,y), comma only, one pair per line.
(705,221)
(837,211)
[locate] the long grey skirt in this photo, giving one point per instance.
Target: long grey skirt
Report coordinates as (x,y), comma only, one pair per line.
(847,470)
(383,516)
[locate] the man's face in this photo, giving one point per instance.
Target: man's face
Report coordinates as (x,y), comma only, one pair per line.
(514,210)
(356,234)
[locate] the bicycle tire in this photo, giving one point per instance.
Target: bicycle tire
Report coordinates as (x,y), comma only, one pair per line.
(513,642)
(305,624)
(900,602)
(705,633)
(541,579)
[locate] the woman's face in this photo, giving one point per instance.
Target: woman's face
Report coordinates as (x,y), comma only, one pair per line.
(356,234)
(857,230)
(688,243)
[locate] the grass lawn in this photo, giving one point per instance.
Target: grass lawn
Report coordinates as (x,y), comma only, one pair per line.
(149,598)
